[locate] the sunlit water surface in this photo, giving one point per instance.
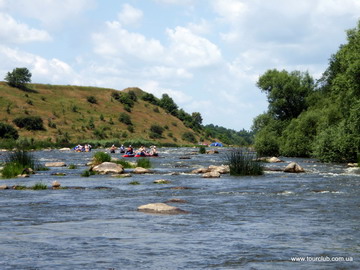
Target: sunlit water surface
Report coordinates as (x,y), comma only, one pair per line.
(257,222)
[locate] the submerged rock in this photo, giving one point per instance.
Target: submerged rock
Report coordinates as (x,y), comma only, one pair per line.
(176,200)
(161,208)
(4,187)
(212,174)
(108,167)
(274,160)
(162,181)
(55,164)
(140,170)
(293,167)
(222,169)
(201,170)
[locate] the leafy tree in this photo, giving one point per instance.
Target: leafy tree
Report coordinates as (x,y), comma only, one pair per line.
(18,78)
(189,136)
(150,98)
(167,103)
(156,131)
(8,132)
(91,99)
(286,92)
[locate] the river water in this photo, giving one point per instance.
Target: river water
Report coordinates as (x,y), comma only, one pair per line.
(262,222)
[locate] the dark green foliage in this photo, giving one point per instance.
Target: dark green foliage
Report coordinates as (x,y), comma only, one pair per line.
(29,122)
(100,157)
(124,163)
(229,136)
(150,98)
(286,92)
(11,170)
(19,77)
(244,163)
(8,132)
(156,109)
(156,131)
(325,122)
(189,136)
(134,183)
(125,118)
(72,166)
(87,173)
(125,98)
(168,104)
(144,163)
(91,99)
(132,95)
(202,149)
(130,128)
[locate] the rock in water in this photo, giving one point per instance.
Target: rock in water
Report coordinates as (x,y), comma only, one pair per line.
(161,208)
(55,164)
(294,168)
(140,170)
(108,167)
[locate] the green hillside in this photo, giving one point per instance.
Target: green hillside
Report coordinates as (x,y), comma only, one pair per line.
(76,114)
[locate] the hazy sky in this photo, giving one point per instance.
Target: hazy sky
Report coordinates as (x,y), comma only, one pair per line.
(206,54)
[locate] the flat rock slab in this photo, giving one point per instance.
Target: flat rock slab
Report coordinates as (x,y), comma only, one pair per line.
(161,208)
(211,175)
(55,164)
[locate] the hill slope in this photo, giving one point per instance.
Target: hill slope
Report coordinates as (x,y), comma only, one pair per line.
(77,114)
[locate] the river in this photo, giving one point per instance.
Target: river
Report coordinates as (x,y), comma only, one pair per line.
(271,221)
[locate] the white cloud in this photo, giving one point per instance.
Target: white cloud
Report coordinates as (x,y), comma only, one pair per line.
(130,15)
(201,28)
(43,70)
(230,10)
(116,41)
(175,2)
(16,32)
(164,72)
(190,50)
(155,88)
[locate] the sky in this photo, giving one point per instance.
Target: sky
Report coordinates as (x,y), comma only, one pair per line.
(206,54)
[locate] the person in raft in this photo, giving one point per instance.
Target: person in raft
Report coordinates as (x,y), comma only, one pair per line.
(87,147)
(122,149)
(112,149)
(153,151)
(142,151)
(130,150)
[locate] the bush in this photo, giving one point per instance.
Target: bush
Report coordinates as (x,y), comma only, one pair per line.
(29,122)
(189,136)
(125,118)
(91,99)
(202,149)
(144,163)
(243,163)
(134,183)
(16,162)
(156,131)
(87,173)
(8,132)
(12,170)
(101,157)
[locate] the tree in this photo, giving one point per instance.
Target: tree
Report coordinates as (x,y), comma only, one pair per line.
(18,77)
(286,92)
(167,103)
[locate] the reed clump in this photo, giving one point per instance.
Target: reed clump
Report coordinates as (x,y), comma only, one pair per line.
(242,163)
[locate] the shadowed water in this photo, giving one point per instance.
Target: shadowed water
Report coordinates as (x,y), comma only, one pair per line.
(234,222)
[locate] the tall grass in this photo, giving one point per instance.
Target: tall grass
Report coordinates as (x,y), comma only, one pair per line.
(101,157)
(244,163)
(144,163)
(17,161)
(125,164)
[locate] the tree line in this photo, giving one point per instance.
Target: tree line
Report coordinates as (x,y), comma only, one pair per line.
(308,118)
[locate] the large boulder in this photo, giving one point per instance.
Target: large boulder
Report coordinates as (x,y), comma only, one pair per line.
(201,170)
(293,167)
(161,208)
(140,170)
(65,149)
(274,160)
(55,164)
(108,167)
(222,169)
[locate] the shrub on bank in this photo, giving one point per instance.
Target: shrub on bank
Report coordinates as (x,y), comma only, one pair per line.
(29,122)
(244,163)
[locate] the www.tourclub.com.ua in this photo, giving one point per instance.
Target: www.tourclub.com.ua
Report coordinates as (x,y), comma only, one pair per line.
(322,259)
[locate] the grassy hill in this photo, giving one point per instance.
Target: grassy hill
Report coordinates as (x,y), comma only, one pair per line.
(79,114)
